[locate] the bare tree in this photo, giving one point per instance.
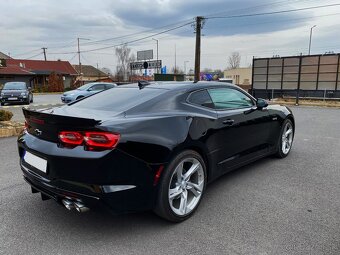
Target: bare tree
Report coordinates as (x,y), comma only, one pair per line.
(124,57)
(234,60)
(106,70)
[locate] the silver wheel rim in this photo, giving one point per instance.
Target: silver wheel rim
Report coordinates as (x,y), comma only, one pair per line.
(186,186)
(287,138)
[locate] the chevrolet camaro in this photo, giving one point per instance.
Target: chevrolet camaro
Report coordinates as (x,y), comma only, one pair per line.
(148,146)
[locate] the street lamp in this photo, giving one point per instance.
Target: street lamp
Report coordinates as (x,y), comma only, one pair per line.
(157,53)
(310,38)
(185,66)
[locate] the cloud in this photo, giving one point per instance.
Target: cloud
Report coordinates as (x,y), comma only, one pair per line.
(149,13)
(31,24)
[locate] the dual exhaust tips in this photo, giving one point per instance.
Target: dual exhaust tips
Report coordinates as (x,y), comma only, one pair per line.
(70,205)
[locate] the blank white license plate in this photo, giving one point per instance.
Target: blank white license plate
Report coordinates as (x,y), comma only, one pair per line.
(35,161)
(12,98)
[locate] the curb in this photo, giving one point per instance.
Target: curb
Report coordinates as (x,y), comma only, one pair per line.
(9,128)
(31,105)
(48,93)
(305,104)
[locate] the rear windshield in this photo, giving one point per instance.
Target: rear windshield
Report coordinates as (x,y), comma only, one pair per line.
(118,99)
(85,87)
(15,86)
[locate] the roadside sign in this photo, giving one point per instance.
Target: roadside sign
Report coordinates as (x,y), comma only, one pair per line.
(144,55)
(153,64)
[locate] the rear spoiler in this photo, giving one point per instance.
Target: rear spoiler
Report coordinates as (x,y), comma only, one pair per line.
(42,118)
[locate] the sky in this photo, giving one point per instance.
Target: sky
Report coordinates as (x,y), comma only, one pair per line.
(28,25)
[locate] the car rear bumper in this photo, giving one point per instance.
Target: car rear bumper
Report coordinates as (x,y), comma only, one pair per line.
(119,193)
(18,99)
(116,201)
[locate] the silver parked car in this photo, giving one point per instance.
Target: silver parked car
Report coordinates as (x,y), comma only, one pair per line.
(86,90)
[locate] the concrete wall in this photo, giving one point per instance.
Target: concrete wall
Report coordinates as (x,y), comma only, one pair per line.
(240,76)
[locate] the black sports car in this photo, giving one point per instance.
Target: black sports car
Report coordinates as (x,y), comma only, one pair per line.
(148,145)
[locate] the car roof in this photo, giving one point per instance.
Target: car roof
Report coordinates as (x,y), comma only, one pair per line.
(182,85)
(10,82)
(98,82)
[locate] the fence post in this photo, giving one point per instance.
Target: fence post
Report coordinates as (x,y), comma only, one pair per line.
(272,94)
(324,94)
(299,79)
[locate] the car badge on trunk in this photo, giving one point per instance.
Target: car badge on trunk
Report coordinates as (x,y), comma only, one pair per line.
(37,132)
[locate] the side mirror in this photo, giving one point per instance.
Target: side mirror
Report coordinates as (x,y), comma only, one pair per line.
(261,103)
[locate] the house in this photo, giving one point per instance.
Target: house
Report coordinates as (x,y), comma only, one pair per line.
(36,72)
(4,56)
(88,73)
(240,76)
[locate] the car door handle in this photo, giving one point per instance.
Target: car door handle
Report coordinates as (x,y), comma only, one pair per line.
(228,122)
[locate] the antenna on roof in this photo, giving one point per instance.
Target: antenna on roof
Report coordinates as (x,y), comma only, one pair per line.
(142,84)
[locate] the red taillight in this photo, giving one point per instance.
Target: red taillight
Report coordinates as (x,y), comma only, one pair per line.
(100,140)
(71,138)
(26,125)
(92,140)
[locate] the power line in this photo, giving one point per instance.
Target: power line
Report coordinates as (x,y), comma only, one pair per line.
(258,6)
(73,57)
(271,13)
(299,20)
(128,42)
(135,34)
(26,53)
(34,55)
(140,39)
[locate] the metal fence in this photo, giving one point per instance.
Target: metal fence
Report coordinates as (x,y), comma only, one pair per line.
(315,76)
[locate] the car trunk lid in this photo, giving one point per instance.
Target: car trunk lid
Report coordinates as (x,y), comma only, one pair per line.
(47,125)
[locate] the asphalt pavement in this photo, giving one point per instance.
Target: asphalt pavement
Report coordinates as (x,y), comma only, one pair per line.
(273,206)
(39,101)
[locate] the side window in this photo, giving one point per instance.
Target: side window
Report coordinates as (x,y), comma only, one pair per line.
(225,98)
(201,98)
(108,86)
(97,87)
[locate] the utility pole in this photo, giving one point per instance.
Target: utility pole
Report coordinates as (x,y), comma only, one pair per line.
(44,50)
(198,28)
(310,39)
(80,69)
(157,53)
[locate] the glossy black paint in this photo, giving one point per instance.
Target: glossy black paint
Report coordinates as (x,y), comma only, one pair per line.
(152,132)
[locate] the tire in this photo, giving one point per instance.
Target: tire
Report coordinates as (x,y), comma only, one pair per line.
(285,141)
(79,97)
(187,194)
(2,104)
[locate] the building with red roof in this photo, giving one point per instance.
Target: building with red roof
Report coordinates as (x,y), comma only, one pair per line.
(36,72)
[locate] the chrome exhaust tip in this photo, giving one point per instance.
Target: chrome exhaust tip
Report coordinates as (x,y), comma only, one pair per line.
(68,204)
(80,207)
